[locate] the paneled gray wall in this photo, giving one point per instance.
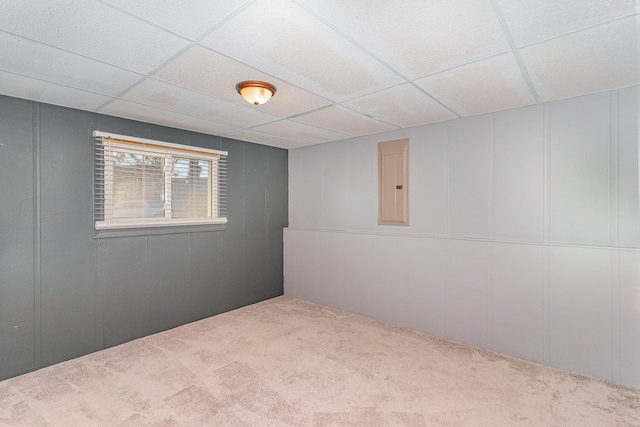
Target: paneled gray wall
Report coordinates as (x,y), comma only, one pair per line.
(64,293)
(524,235)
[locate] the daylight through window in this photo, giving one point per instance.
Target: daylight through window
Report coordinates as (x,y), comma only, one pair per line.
(145,183)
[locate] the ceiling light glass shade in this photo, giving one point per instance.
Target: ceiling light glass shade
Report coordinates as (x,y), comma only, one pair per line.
(256,92)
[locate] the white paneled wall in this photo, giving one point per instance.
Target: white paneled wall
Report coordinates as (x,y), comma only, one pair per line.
(524,235)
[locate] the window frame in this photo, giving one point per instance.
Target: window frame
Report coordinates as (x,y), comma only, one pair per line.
(106,143)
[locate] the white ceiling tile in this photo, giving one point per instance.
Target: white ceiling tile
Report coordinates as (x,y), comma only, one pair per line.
(92,29)
(601,58)
(534,21)
(50,93)
(209,72)
(403,105)
(265,139)
(145,113)
(284,40)
(344,120)
(191,18)
(489,85)
(163,95)
(418,37)
(301,132)
(33,59)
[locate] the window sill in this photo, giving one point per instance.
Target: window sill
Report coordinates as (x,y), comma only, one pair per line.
(152,231)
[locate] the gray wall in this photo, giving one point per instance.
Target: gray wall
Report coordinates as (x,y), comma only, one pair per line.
(524,234)
(64,293)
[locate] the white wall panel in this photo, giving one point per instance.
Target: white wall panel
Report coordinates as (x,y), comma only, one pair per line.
(517,304)
(517,182)
(384,298)
(469,176)
(428,179)
(291,279)
(306,268)
(628,201)
(467,297)
(424,286)
(579,170)
(311,187)
(295,188)
(358,272)
(330,271)
(363,184)
(335,203)
(517,174)
(630,318)
(580,310)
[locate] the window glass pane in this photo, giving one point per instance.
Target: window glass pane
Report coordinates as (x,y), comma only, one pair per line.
(190,188)
(138,186)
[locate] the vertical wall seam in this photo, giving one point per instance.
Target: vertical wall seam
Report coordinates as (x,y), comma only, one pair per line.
(322,177)
(37,236)
(447,281)
(546,215)
(147,248)
(348,179)
(614,200)
(614,172)
(347,226)
(489,259)
(446,181)
(243,233)
(98,295)
(490,315)
(615,316)
(341,276)
(100,326)
(546,307)
(316,264)
(146,285)
(445,294)
(546,174)
(267,246)
(490,195)
(614,240)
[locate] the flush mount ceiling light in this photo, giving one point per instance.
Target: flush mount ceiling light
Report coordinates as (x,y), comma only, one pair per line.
(256,92)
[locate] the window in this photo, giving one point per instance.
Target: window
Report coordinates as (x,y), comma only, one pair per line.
(145,183)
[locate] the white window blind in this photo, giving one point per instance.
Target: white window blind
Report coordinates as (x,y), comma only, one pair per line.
(146,183)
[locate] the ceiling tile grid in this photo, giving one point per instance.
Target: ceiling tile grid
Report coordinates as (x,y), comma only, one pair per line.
(146,113)
(43,91)
(159,94)
(203,70)
(286,41)
(534,21)
(34,59)
(341,119)
(92,29)
(341,69)
(403,105)
(481,87)
(190,19)
(593,60)
(418,37)
(302,132)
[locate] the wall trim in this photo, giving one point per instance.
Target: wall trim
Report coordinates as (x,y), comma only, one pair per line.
(463,238)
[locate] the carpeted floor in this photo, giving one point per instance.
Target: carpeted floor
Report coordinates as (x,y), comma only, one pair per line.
(285,362)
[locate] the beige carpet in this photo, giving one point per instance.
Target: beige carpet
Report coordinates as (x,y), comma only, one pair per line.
(285,362)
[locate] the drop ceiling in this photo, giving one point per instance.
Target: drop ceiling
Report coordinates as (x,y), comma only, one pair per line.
(341,68)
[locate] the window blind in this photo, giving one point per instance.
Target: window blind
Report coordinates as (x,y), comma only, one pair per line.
(147,183)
